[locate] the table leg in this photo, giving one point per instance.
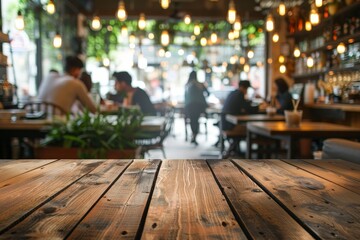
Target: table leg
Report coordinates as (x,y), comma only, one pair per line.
(248,144)
(292,148)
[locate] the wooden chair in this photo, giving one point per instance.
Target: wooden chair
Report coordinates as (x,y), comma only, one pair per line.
(156,142)
(42,109)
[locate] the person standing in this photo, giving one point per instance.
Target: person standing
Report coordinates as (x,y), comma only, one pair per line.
(195,103)
(67,88)
(133,96)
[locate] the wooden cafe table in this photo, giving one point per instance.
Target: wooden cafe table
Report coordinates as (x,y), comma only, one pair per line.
(179,199)
(279,130)
(241,119)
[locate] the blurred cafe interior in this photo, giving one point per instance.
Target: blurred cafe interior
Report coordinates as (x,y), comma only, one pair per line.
(312,46)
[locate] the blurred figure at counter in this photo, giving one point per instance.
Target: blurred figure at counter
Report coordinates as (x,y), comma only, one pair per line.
(132,96)
(66,89)
(283,98)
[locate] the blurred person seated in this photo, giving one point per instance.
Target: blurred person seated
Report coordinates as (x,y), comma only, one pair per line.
(132,96)
(236,103)
(283,98)
(85,78)
(64,90)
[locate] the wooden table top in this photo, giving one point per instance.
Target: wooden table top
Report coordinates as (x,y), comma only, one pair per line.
(305,129)
(38,124)
(179,199)
(236,119)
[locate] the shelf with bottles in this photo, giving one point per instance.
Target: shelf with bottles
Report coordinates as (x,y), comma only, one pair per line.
(328,20)
(343,58)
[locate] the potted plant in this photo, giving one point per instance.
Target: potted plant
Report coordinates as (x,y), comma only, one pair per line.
(94,136)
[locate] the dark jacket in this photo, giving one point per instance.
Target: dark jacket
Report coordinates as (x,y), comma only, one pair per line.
(141,98)
(236,104)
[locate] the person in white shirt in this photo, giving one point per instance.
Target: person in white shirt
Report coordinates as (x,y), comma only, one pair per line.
(64,90)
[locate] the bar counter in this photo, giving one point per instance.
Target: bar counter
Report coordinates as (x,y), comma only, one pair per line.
(179,199)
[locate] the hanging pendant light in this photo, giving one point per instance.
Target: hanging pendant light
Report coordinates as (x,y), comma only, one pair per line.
(203,41)
(236,34)
(282,68)
(237,25)
(50,7)
(96,23)
(213,38)
(124,31)
(231,35)
(314,16)
(341,48)
(121,12)
(282,8)
(308,26)
(275,37)
(270,23)
(19,21)
(142,21)
(165,3)
(231,16)
(318,3)
(165,38)
(187,19)
(197,29)
(309,62)
(250,54)
(57,41)
(297,52)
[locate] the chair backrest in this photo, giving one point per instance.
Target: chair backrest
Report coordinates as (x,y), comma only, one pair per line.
(170,118)
(43,109)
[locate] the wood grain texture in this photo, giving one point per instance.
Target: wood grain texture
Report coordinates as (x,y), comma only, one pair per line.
(188,204)
(56,218)
(330,211)
(21,194)
(338,178)
(119,213)
(346,168)
(261,215)
(12,168)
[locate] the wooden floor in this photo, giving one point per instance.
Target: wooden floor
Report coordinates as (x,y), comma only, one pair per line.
(183,199)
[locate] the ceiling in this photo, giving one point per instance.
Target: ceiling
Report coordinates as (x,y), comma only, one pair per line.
(198,9)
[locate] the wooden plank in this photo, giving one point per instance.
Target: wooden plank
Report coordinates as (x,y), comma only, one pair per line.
(119,213)
(340,179)
(260,214)
(12,168)
(22,194)
(188,204)
(330,211)
(56,218)
(346,168)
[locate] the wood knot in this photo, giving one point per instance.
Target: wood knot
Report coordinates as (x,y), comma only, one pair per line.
(49,210)
(123,232)
(154,225)
(224,224)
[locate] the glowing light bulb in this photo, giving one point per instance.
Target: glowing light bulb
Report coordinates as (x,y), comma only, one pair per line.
(246,68)
(282,68)
(203,41)
(121,12)
(308,26)
(197,29)
(165,38)
(124,31)
(282,9)
(57,41)
(96,24)
(269,23)
(237,25)
(187,19)
(50,7)
(318,3)
(281,59)
(19,21)
(314,16)
(250,54)
(310,62)
(297,52)
(165,4)
(142,22)
(275,37)
(214,38)
(341,48)
(231,16)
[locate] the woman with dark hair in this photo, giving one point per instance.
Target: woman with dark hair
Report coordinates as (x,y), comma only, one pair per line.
(283,98)
(195,103)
